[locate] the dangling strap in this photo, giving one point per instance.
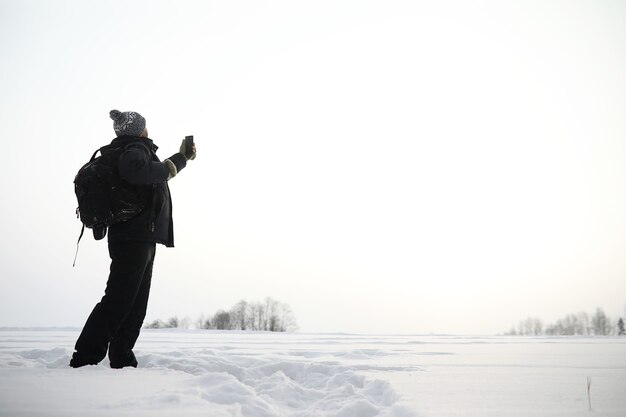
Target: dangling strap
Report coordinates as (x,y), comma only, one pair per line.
(79,238)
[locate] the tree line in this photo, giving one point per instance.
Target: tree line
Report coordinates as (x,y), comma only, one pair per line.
(267,315)
(582,323)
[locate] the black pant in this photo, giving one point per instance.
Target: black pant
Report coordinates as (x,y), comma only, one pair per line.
(116,320)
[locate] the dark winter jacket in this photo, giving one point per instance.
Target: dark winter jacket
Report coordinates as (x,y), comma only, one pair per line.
(139,165)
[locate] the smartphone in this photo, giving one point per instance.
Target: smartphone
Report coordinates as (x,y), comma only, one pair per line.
(189,145)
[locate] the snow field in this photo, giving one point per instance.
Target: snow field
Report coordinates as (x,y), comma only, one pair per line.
(212,373)
(253,377)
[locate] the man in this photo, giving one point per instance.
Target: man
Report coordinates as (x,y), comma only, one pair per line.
(115,322)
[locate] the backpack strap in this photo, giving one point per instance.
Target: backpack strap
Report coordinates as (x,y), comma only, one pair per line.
(79,238)
(101,150)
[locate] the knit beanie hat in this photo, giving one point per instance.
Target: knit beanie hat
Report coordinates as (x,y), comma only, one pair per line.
(128,123)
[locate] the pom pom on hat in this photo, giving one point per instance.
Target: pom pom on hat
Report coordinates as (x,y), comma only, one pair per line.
(116,115)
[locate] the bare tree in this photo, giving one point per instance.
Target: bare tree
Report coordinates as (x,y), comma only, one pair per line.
(552,330)
(572,324)
(254,313)
(287,319)
(569,325)
(584,322)
(239,315)
(601,323)
(172,322)
(267,312)
(156,324)
(250,317)
(269,315)
(259,309)
(203,322)
(221,320)
(528,326)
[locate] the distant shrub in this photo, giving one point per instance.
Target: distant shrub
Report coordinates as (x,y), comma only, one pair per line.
(268,315)
(581,323)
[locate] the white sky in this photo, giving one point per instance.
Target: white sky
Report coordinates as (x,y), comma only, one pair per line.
(381,166)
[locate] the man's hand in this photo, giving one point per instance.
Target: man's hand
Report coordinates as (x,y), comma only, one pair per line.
(187,155)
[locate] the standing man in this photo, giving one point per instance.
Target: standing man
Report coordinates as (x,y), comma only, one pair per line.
(115,322)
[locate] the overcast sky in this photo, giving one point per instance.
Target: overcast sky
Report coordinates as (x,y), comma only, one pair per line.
(381,166)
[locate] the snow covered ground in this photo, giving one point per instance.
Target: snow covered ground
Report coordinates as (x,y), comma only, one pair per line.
(209,373)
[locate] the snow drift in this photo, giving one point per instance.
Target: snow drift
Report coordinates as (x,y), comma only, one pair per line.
(180,376)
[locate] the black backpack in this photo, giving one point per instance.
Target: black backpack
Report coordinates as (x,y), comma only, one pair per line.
(104,198)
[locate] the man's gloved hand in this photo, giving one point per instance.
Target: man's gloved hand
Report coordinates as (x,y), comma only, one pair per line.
(188,156)
(171,168)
